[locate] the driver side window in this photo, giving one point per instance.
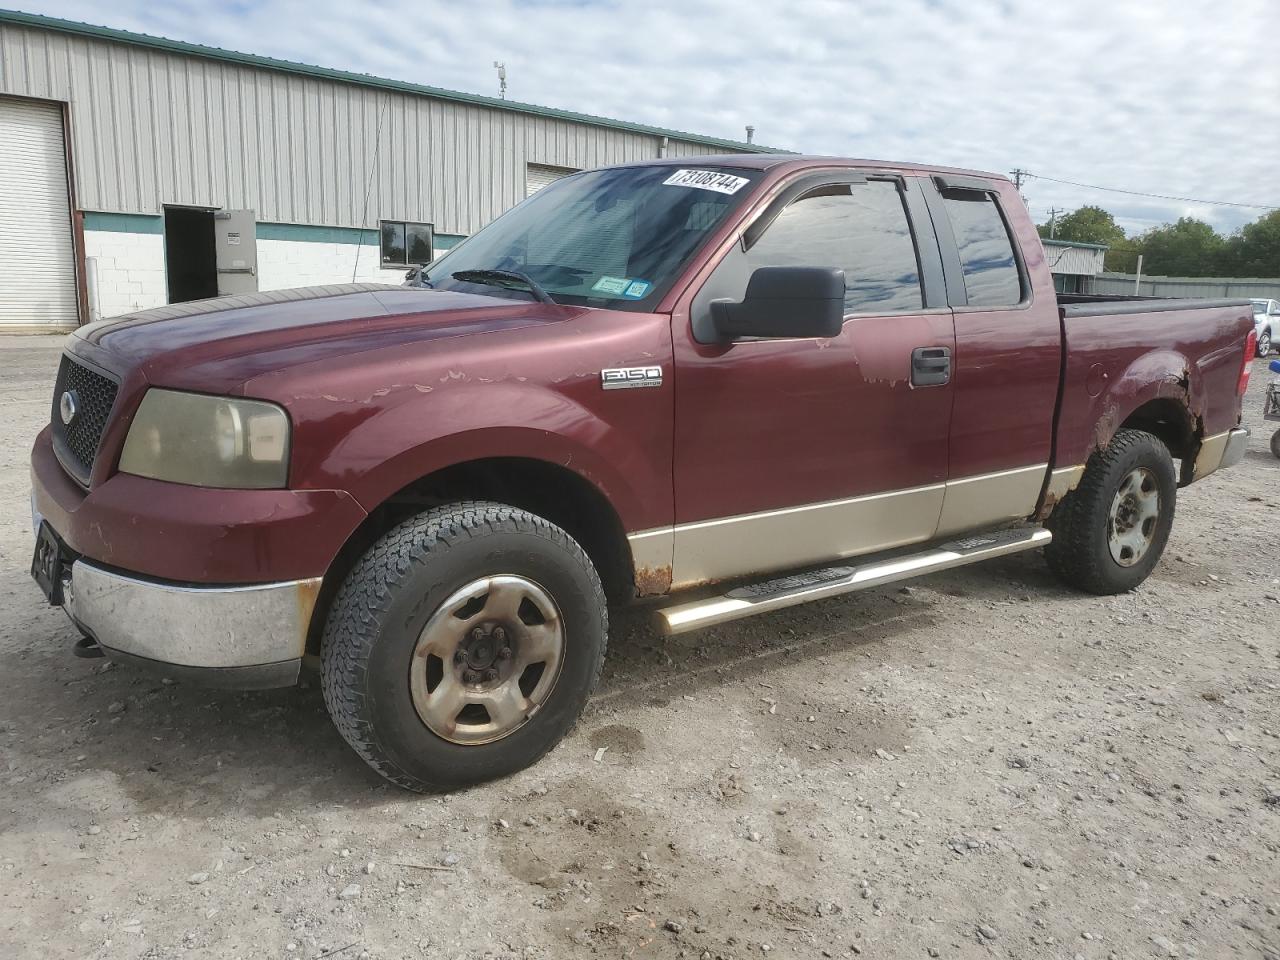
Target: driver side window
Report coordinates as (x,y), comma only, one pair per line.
(859,228)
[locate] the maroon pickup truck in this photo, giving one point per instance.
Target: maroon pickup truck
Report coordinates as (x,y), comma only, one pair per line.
(740,382)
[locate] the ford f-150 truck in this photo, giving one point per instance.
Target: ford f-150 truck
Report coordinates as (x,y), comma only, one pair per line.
(739,383)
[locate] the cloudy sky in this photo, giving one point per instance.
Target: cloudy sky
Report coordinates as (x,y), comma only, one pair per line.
(1174,97)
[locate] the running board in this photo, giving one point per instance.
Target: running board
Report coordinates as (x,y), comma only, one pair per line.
(833,581)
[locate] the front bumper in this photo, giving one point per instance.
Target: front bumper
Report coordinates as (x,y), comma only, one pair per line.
(1221,450)
(247,637)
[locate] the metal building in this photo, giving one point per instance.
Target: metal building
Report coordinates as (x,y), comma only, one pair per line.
(137,171)
(1072,264)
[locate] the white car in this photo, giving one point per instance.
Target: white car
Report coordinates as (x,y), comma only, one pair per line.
(1266,321)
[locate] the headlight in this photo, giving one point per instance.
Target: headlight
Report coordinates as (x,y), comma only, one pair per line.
(208,441)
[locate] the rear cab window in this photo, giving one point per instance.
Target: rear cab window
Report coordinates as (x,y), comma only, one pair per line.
(992,277)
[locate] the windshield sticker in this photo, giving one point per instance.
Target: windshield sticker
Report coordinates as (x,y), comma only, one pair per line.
(614,286)
(706,180)
(637,289)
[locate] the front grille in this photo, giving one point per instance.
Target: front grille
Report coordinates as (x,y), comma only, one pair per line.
(76,443)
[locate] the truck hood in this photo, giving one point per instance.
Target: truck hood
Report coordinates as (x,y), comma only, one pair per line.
(217,345)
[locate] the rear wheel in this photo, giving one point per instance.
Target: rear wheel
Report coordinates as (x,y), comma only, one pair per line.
(1275,444)
(1264,343)
(1109,533)
(463,645)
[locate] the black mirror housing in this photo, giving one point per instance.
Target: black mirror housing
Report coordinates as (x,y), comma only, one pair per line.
(785,302)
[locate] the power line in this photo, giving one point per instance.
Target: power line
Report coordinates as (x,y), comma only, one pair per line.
(1139,193)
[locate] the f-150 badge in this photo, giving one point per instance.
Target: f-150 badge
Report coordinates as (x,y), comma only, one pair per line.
(629,378)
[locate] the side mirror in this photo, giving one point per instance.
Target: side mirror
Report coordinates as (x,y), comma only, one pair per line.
(785,302)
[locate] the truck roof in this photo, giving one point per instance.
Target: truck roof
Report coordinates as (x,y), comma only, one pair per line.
(791,161)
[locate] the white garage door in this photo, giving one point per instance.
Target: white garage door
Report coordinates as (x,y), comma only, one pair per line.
(538,175)
(37,259)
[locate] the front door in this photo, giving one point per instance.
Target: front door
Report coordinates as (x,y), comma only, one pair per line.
(236,251)
(791,452)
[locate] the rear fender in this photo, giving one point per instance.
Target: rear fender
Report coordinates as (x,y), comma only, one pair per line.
(1158,375)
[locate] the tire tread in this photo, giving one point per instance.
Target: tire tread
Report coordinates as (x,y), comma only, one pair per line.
(1075,521)
(369,590)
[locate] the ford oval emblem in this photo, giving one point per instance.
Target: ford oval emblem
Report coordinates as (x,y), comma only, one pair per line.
(68,407)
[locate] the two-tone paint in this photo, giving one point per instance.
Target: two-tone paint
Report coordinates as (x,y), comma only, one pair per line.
(747,457)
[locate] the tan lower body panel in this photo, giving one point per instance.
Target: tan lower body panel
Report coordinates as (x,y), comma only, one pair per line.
(990,498)
(693,553)
(1062,481)
(1220,450)
(778,539)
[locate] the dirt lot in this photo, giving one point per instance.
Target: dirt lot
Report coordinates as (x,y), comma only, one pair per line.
(983,764)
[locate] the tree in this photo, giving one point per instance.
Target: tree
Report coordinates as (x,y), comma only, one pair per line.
(1254,251)
(1188,248)
(1086,225)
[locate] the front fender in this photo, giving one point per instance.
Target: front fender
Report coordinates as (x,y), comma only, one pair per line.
(377,448)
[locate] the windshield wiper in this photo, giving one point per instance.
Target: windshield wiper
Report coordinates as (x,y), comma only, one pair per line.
(503,278)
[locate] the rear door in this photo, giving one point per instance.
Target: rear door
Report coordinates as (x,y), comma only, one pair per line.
(1008,359)
(790,452)
(235,240)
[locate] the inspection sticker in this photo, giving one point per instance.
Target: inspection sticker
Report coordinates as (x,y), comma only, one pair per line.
(637,289)
(706,180)
(615,286)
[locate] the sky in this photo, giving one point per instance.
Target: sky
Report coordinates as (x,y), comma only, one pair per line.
(1173,97)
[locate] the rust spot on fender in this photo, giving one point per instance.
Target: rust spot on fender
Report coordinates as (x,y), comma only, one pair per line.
(1107,425)
(1046,508)
(653,581)
(308,591)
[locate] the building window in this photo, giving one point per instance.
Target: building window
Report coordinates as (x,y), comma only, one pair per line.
(991,277)
(406,244)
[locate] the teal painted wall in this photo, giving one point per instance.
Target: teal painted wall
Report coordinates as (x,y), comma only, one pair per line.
(140,223)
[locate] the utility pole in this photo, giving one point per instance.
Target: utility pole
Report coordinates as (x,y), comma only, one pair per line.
(502,79)
(1053,221)
(1018,176)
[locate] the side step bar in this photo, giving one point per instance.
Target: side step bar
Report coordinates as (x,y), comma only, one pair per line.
(832,581)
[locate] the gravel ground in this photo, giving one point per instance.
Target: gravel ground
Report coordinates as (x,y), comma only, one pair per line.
(982,764)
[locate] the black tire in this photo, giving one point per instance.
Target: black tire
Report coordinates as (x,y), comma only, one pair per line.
(1275,444)
(1080,552)
(1264,343)
(384,604)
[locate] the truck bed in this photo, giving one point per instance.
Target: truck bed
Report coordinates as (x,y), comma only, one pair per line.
(1170,366)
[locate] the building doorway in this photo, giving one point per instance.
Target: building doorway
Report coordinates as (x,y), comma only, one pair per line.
(190,259)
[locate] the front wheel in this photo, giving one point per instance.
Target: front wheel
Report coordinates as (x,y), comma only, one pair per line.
(1109,532)
(463,645)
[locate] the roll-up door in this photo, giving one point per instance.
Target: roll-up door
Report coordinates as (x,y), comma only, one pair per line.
(538,175)
(37,256)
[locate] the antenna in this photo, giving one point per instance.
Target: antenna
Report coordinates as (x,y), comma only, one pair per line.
(751,132)
(502,79)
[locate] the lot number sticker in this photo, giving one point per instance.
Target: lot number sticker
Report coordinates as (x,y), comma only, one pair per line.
(706,180)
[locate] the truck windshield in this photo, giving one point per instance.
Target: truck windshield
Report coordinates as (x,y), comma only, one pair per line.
(609,238)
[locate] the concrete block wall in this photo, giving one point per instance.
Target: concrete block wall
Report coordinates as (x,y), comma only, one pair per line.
(302,263)
(129,270)
(129,259)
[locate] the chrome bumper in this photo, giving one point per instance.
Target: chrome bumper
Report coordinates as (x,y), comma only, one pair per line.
(246,637)
(1224,449)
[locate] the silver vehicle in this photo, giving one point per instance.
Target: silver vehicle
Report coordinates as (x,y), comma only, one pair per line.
(1266,321)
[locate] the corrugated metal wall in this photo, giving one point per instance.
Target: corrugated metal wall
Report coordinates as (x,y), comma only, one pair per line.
(1122,284)
(150,128)
(1077,260)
